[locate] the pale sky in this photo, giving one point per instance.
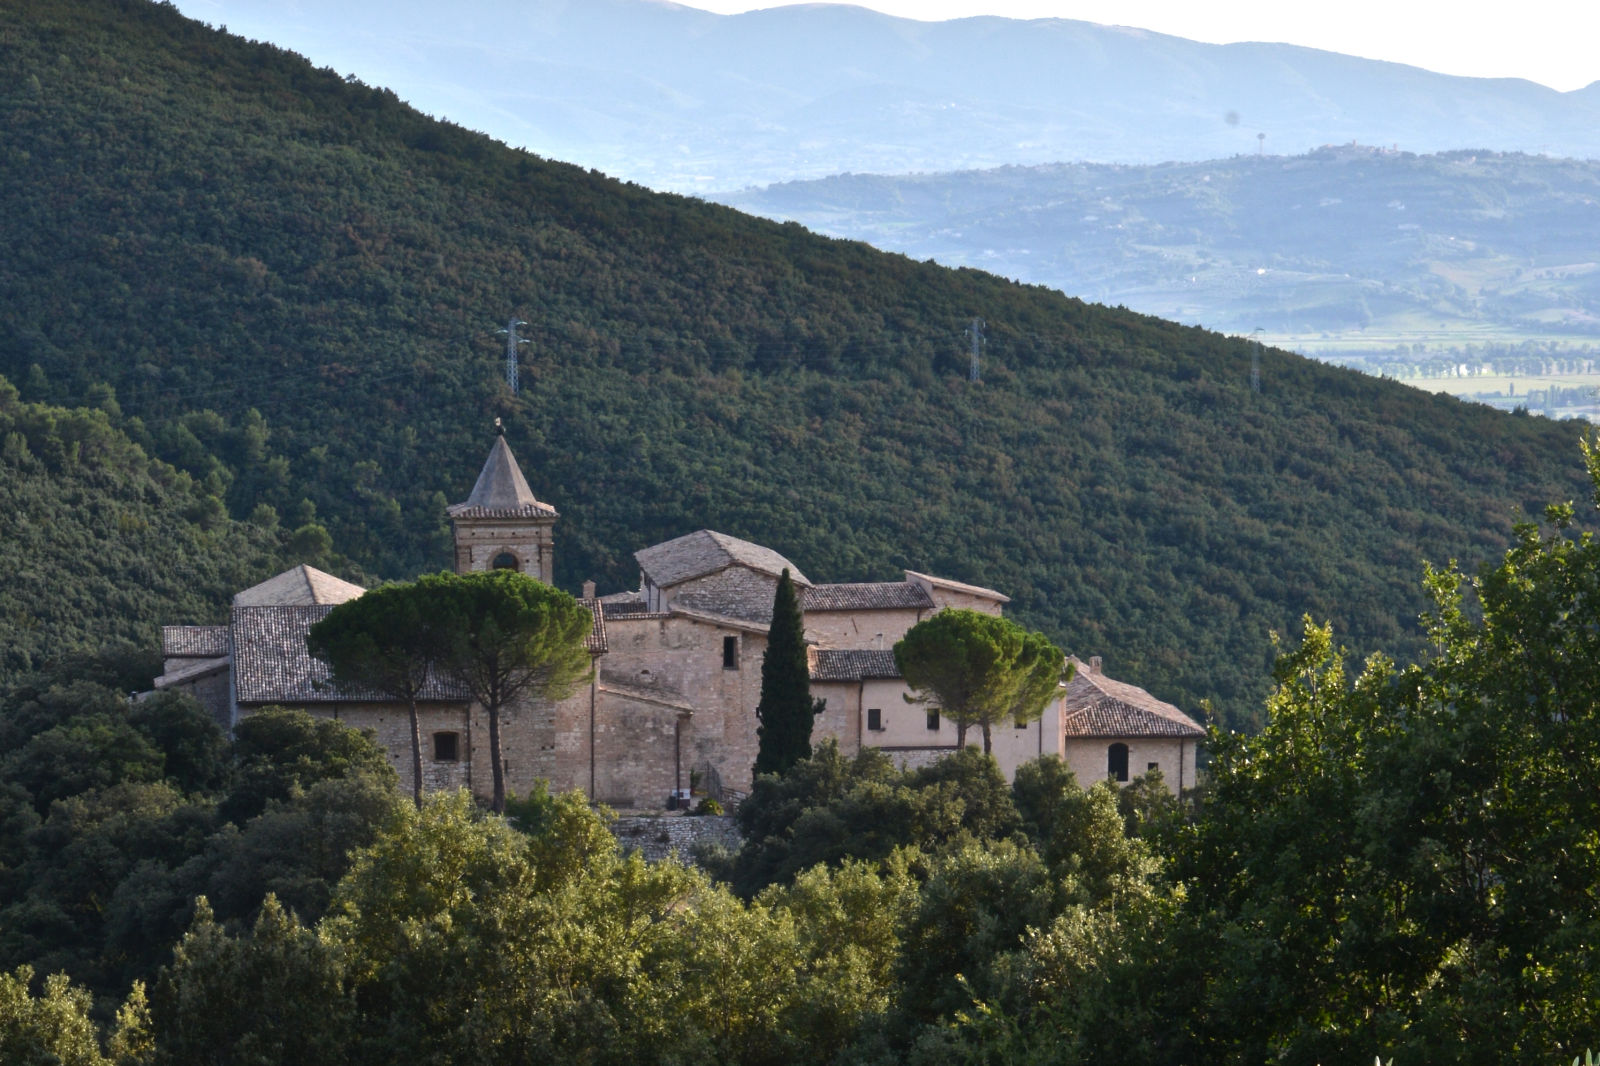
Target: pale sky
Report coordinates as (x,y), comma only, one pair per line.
(1553,42)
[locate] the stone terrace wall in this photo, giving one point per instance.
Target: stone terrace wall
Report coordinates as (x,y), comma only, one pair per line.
(667,835)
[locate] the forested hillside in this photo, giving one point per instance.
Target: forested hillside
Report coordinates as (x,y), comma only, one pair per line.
(205,224)
(102,543)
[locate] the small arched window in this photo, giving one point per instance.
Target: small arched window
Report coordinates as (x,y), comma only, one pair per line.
(1117,762)
(507,561)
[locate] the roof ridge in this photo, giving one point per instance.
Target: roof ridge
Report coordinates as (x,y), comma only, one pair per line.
(500,485)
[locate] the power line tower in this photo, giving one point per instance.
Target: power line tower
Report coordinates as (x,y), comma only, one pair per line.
(975,331)
(1255,361)
(512,340)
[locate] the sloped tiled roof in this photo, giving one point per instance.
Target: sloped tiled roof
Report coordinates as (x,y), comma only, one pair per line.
(196,669)
(194,642)
(301,586)
(866,596)
(958,586)
(705,552)
(623,605)
(596,640)
(1097,706)
(754,607)
(501,491)
(272,665)
(851,664)
(727,621)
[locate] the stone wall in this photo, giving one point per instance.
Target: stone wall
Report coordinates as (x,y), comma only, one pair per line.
(841,715)
(390,725)
(213,691)
(479,540)
(675,835)
(861,629)
(1174,756)
(657,671)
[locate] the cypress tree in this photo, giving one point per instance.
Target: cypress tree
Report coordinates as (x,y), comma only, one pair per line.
(786,709)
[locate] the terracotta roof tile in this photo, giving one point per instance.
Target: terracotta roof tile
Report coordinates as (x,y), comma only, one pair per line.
(705,552)
(596,640)
(272,665)
(866,596)
(742,604)
(194,642)
(958,586)
(1097,706)
(851,664)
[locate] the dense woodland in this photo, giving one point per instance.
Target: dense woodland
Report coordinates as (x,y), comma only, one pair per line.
(285,285)
(1401,864)
(246,311)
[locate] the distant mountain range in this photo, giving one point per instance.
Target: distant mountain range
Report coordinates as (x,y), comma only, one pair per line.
(1339,242)
(682,99)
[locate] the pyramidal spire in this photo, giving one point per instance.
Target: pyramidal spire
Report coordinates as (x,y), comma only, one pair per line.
(501,486)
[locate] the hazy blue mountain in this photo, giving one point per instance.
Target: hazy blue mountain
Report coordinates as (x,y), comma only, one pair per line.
(1337,241)
(679,98)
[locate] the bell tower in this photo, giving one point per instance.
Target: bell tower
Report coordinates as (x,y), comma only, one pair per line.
(501,525)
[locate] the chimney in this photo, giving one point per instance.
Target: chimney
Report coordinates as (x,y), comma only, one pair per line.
(1094,664)
(588,590)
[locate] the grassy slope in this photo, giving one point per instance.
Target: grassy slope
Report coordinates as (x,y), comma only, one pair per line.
(206,223)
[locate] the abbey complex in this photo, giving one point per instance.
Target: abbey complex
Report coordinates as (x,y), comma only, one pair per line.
(677,671)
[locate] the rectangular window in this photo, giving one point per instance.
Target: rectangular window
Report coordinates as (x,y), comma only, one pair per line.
(933,719)
(875,718)
(1152,766)
(730,653)
(446,747)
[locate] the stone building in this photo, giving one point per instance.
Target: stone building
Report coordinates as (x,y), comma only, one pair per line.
(677,670)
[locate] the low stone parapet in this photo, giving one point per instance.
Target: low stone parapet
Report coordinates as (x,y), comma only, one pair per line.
(658,837)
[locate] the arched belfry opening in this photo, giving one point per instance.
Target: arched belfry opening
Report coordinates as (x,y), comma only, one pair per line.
(502,525)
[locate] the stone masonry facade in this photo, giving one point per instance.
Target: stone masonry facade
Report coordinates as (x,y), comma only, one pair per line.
(677,672)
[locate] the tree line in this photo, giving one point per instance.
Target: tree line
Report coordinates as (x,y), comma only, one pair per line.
(284,285)
(1401,864)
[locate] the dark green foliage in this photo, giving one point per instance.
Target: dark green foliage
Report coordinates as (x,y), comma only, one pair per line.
(1406,861)
(389,640)
(979,669)
(92,751)
(297,850)
(274,997)
(279,751)
(216,228)
(505,637)
(977,903)
(786,710)
(102,543)
(828,809)
(110,823)
(194,748)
